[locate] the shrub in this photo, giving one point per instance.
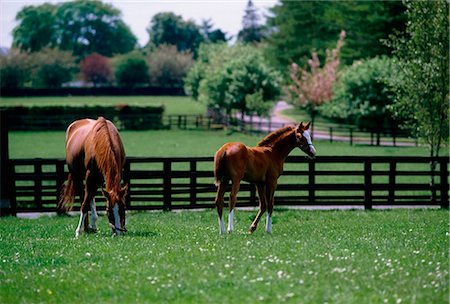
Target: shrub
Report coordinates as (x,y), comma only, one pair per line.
(14,69)
(168,67)
(52,68)
(96,69)
(361,97)
(131,70)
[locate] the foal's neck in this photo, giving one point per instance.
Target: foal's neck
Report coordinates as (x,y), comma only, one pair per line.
(284,146)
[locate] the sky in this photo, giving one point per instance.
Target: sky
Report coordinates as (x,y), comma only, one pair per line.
(225,15)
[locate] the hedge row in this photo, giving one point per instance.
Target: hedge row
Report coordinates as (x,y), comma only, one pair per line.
(58,118)
(91,91)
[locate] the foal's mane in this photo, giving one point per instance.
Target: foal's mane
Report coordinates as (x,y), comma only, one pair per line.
(275,136)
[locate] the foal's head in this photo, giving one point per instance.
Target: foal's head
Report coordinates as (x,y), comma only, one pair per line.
(304,139)
(115,208)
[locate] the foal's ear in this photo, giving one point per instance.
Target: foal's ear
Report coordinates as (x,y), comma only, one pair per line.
(303,127)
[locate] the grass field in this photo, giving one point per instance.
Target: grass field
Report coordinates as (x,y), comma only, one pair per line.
(397,256)
(182,143)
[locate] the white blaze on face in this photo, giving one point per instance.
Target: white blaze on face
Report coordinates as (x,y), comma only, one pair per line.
(308,140)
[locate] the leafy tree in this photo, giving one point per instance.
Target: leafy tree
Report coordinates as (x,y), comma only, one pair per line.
(14,69)
(251,31)
(52,68)
(297,27)
(421,82)
(131,70)
(81,26)
(36,28)
(231,76)
(168,67)
(168,28)
(362,97)
(313,88)
(96,69)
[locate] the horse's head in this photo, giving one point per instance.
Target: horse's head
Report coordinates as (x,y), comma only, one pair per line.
(303,139)
(115,208)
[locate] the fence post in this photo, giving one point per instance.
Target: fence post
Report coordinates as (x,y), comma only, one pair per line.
(444,183)
(167,185)
(193,183)
(331,134)
(126,181)
(351,136)
(311,182)
(59,183)
(367,184)
(38,184)
(392,171)
(253,194)
(6,176)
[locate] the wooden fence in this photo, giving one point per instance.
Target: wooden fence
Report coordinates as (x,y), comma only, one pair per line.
(187,183)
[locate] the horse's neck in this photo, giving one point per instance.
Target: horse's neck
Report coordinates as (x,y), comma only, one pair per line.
(283,147)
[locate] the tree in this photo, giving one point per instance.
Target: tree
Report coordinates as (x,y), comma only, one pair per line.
(131,70)
(168,66)
(297,27)
(421,82)
(82,27)
(96,69)
(213,36)
(51,68)
(312,89)
(251,31)
(14,69)
(36,28)
(168,28)
(362,97)
(231,77)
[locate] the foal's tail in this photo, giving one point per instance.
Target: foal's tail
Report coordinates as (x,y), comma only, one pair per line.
(67,197)
(219,164)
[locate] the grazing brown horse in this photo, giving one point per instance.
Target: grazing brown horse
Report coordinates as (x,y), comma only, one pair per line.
(95,154)
(261,165)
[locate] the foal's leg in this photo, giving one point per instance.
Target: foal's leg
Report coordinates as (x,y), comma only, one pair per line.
(219,205)
(233,199)
(270,203)
(262,206)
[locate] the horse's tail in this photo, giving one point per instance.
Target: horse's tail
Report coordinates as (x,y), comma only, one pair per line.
(219,166)
(67,197)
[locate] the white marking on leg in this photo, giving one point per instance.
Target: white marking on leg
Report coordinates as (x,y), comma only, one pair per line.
(230,221)
(116,218)
(269,223)
(221,226)
(80,224)
(94,215)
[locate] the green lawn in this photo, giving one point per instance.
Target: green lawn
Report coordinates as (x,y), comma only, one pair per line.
(172,104)
(50,144)
(396,256)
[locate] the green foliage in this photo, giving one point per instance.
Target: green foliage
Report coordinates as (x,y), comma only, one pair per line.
(224,76)
(172,257)
(82,27)
(421,82)
(131,70)
(299,27)
(361,96)
(52,68)
(14,69)
(167,66)
(168,28)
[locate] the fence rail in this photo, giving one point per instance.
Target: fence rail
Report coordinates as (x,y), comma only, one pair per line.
(187,183)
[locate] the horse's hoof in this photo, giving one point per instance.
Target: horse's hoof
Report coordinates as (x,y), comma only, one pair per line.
(92,230)
(251,230)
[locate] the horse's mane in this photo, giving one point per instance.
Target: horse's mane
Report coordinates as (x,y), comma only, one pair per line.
(275,136)
(108,154)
